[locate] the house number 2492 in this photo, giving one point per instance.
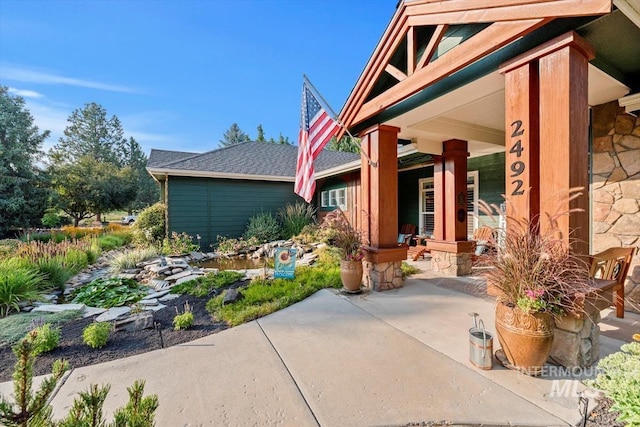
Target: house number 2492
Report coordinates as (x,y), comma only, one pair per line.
(517,167)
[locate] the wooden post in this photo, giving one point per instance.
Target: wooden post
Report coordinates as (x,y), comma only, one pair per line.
(455,155)
(522,147)
(559,104)
(379,195)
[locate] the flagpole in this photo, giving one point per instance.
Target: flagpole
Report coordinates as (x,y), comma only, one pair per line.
(335,117)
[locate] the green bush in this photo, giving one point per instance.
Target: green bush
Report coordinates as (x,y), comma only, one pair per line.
(202,286)
(45,338)
(110,292)
(55,220)
(97,334)
(310,233)
(183,320)
(408,269)
(17,284)
(264,227)
(294,218)
(178,244)
(620,380)
(149,227)
(231,246)
(110,241)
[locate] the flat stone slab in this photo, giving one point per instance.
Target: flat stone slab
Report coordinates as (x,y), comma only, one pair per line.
(177,262)
(188,278)
(154,307)
(127,276)
(148,301)
(178,275)
(169,297)
(135,322)
(196,256)
(159,285)
(159,268)
(92,311)
(57,308)
(157,294)
(113,313)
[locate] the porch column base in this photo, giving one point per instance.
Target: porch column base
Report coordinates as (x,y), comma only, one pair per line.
(451,263)
(383,268)
(576,342)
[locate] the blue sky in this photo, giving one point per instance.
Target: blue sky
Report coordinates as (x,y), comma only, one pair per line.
(179,73)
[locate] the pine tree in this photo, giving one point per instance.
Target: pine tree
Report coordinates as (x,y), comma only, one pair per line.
(23,185)
(234,135)
(260,137)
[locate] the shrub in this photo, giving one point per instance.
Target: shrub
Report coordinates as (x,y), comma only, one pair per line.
(264,227)
(110,292)
(179,243)
(8,247)
(295,217)
(149,227)
(408,269)
(45,338)
(55,220)
(17,285)
(97,334)
(620,380)
(131,258)
(311,233)
(183,320)
(232,246)
(75,260)
(110,241)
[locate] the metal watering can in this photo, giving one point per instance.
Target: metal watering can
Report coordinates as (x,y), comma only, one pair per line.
(480,345)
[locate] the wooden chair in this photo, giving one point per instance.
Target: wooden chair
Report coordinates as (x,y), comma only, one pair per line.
(407,233)
(613,264)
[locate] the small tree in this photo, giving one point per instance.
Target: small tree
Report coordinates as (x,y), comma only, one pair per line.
(346,144)
(234,135)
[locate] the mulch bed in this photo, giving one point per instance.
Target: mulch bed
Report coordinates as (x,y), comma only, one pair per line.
(121,344)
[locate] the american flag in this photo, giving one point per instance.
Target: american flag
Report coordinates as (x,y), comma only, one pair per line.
(316,129)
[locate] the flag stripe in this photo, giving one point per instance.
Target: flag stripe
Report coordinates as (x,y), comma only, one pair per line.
(316,130)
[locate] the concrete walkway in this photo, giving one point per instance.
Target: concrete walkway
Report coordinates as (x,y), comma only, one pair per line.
(375,359)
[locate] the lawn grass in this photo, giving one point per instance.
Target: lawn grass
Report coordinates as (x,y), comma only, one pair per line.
(14,327)
(263,297)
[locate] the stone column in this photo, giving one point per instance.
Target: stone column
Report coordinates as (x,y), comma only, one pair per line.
(380,208)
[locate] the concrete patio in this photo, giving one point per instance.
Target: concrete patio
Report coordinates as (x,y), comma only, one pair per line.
(373,359)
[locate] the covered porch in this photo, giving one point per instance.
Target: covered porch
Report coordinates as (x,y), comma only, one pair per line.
(461,82)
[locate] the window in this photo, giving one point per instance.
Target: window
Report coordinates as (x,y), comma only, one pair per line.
(334,198)
(341,195)
(324,196)
(427,205)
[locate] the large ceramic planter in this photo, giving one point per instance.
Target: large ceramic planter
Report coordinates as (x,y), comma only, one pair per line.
(525,338)
(351,275)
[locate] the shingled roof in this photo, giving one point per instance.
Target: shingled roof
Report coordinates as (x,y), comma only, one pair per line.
(248,158)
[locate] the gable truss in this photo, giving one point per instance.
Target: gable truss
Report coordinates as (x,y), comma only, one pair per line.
(508,20)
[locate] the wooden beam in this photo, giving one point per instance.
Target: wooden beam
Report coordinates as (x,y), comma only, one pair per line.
(411,50)
(432,46)
(399,75)
(428,7)
(490,39)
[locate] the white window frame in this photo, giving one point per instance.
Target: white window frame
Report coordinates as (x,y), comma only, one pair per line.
(332,198)
(341,198)
(324,199)
(472,216)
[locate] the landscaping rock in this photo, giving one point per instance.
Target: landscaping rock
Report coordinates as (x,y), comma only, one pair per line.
(57,308)
(127,276)
(154,307)
(169,297)
(92,311)
(157,294)
(148,301)
(159,268)
(159,285)
(113,313)
(232,295)
(196,256)
(135,322)
(178,275)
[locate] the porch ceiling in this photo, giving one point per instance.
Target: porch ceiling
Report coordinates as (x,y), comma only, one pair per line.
(475,113)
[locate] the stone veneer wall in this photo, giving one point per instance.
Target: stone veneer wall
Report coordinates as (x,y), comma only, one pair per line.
(451,264)
(615,188)
(383,276)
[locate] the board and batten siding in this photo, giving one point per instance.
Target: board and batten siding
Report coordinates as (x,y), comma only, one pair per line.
(221,207)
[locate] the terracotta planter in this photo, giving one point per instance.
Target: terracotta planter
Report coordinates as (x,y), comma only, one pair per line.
(525,338)
(351,275)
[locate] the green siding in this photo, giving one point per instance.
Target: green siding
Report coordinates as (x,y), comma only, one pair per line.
(491,179)
(408,195)
(222,207)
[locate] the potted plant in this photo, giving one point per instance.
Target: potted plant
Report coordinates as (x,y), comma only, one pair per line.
(536,279)
(349,240)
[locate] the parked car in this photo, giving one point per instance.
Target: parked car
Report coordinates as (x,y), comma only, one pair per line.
(128,220)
